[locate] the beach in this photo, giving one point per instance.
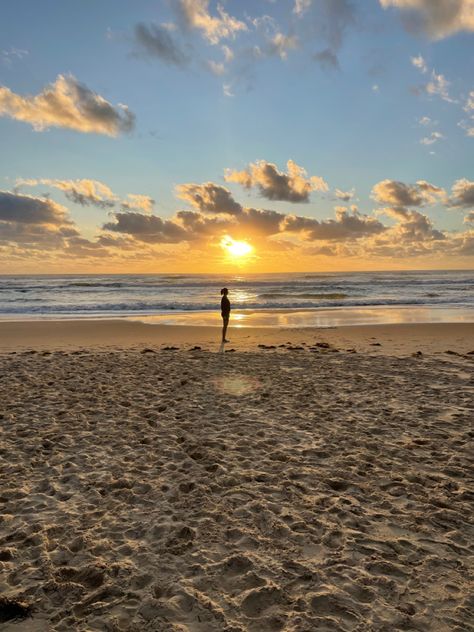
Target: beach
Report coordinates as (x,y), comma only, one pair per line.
(322,481)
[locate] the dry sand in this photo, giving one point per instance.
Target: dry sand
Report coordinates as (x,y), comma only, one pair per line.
(282,489)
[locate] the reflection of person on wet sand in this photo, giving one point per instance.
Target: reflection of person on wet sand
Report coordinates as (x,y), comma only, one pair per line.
(225,312)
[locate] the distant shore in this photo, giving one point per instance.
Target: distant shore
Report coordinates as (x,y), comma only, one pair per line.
(387,339)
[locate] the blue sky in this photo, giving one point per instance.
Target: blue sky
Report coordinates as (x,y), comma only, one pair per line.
(335,90)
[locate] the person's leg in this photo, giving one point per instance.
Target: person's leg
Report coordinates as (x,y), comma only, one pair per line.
(224,328)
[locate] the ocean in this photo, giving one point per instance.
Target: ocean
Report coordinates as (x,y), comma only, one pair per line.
(170,297)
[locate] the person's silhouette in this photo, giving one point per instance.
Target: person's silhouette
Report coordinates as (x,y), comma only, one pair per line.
(225,312)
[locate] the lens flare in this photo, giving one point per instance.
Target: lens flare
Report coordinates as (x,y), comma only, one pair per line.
(235,248)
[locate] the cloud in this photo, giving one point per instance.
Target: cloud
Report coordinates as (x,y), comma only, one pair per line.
(227,90)
(209,198)
(329,21)
(155,40)
(194,14)
(349,224)
(84,192)
(399,194)
(217,68)
(437,18)
(470,102)
(81,247)
(327,60)
(93,193)
(468,126)
(27,209)
(462,194)
(136,202)
(228,53)
(469,219)
(148,228)
(280,44)
(301,6)
(419,63)
(345,196)
(68,104)
(7,56)
(33,221)
(261,222)
(412,226)
(273,184)
(434,137)
(438,86)
(425,121)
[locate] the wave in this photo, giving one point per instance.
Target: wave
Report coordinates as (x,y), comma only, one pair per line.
(307,295)
(122,309)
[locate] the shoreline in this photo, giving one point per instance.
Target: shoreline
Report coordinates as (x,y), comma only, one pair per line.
(278,317)
(384,339)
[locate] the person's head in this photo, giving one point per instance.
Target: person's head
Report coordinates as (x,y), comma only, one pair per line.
(224,291)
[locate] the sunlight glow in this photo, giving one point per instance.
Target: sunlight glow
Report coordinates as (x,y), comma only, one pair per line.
(235,248)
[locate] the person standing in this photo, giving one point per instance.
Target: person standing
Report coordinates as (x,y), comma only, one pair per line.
(225,312)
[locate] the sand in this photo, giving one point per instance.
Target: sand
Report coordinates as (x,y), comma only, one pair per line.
(260,490)
(394,339)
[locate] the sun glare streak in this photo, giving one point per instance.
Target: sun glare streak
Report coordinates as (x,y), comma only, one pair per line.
(235,249)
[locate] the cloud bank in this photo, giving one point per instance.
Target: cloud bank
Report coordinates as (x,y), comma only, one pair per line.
(38,227)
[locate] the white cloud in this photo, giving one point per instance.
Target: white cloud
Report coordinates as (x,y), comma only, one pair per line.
(301,6)
(69,104)
(138,202)
(345,196)
(419,63)
(195,14)
(7,56)
(438,86)
(433,138)
(426,121)
(470,102)
(228,53)
(280,44)
(217,68)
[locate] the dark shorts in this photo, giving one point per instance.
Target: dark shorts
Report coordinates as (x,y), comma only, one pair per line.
(225,316)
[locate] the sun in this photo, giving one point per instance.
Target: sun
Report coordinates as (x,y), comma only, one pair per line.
(236,249)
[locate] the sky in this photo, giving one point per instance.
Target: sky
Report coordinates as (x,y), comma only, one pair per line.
(243,135)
